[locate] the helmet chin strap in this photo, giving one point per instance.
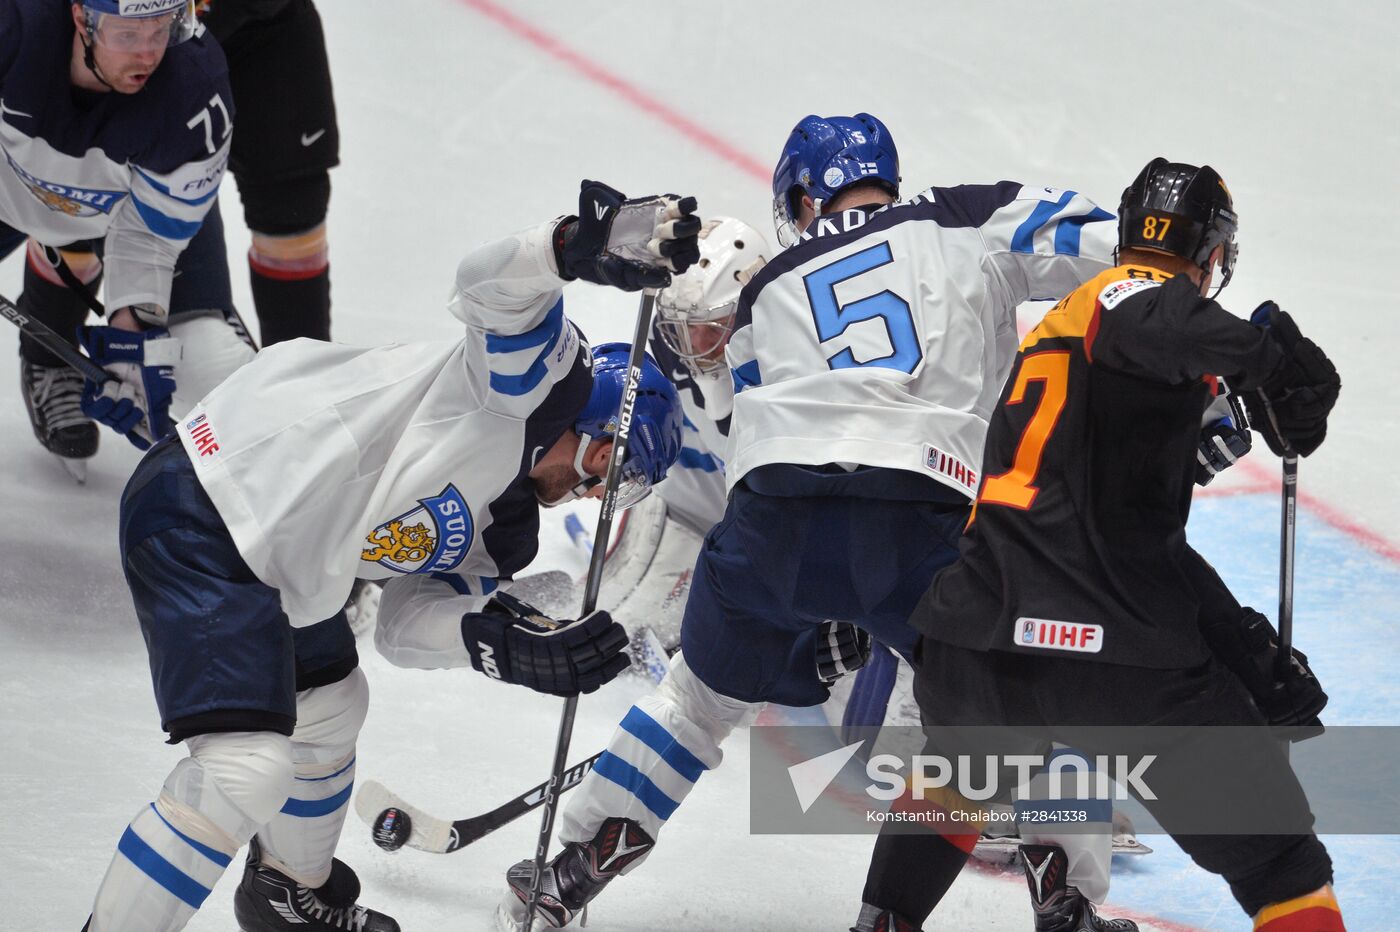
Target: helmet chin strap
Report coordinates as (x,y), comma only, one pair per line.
(91,62)
(585,482)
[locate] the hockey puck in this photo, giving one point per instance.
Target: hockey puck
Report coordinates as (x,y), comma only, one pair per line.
(391,829)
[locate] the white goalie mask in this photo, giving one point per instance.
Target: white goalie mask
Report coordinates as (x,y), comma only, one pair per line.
(695,313)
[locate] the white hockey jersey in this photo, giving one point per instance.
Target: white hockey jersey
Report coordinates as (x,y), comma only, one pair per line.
(330,462)
(882,337)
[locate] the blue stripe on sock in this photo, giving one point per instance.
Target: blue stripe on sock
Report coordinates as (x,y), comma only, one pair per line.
(611,767)
(1041,815)
(149,862)
(313,808)
(213,854)
(650,732)
(334,775)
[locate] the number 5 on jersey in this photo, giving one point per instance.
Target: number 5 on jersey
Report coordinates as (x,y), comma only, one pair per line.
(833,318)
(1016,487)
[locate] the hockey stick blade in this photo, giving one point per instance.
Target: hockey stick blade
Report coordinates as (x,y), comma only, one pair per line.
(440,836)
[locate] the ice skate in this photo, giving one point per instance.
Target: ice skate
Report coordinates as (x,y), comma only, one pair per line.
(576,875)
(52,396)
(1058,906)
(269,901)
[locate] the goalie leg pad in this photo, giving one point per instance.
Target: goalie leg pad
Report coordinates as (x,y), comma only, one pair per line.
(300,840)
(176,848)
(663,745)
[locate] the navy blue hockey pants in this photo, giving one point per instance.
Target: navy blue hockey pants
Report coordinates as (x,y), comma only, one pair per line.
(774,568)
(223,655)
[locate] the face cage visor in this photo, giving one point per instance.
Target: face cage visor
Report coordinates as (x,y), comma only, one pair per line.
(1221,232)
(698,336)
(785,221)
(133,35)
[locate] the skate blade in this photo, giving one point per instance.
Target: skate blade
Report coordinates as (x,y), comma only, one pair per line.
(1002,850)
(508,921)
(75,468)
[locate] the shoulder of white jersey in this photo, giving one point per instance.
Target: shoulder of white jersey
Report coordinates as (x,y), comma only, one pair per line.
(1044,220)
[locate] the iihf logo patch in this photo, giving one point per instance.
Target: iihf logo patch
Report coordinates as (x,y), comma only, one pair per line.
(432,538)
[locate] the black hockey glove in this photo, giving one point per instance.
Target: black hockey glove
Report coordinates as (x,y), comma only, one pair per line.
(1221,446)
(512,641)
(1290,408)
(1249,648)
(627,244)
(841,648)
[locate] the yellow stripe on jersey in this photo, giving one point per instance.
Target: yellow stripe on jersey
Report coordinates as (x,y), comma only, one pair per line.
(1076,315)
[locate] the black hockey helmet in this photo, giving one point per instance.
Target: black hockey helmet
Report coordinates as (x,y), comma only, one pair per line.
(1180,209)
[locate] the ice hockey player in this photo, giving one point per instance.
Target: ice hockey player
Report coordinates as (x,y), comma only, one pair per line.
(1081,518)
(117,174)
(288,140)
(421,463)
(866,359)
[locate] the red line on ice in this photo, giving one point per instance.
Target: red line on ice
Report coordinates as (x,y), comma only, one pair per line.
(718,146)
(622,88)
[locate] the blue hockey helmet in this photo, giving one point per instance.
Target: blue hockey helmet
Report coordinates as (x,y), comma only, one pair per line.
(654,441)
(822,155)
(139,25)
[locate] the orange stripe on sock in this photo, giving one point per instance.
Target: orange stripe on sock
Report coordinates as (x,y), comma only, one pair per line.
(1316,912)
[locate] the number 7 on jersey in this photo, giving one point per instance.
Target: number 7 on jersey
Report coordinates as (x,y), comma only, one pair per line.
(1016,487)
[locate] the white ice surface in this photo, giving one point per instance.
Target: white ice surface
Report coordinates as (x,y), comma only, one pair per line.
(456,129)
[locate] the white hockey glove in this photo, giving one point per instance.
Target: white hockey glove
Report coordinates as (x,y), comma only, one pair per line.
(135,402)
(841,648)
(627,244)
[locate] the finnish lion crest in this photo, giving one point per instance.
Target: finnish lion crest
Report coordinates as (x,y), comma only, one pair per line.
(432,538)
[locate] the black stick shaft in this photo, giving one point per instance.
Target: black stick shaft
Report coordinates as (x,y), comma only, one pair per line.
(1287,539)
(42,333)
(593,584)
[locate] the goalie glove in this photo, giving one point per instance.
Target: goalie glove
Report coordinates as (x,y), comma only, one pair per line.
(511,641)
(841,648)
(627,244)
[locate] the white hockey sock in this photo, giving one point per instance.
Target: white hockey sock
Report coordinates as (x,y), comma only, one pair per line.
(1088,844)
(176,848)
(158,878)
(300,839)
(663,745)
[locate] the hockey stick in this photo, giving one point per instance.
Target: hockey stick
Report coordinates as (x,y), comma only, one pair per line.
(1287,539)
(591,587)
(439,836)
(51,341)
(1288,533)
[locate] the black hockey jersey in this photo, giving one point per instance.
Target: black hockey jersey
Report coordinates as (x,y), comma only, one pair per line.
(1077,543)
